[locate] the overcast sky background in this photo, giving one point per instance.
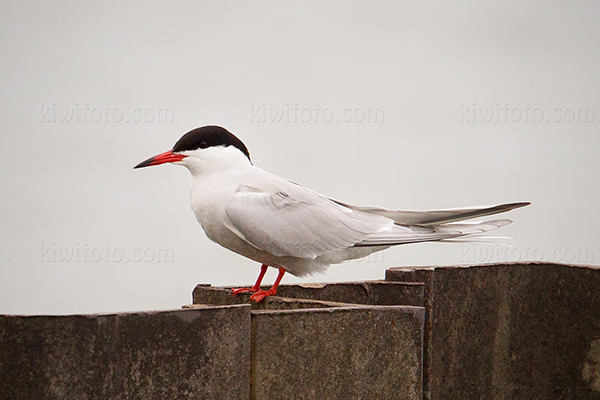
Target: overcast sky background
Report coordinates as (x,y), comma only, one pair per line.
(398,104)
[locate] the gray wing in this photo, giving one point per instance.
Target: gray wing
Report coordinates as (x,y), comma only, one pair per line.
(294,221)
(286,219)
(436,217)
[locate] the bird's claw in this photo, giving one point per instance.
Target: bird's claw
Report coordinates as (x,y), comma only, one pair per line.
(243,290)
(261,294)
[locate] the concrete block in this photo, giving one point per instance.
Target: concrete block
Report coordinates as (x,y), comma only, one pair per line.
(325,341)
(182,354)
(366,352)
(513,331)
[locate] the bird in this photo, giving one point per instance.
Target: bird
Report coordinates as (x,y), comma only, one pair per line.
(281,224)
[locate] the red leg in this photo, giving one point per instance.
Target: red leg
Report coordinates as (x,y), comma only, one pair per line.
(256,287)
(261,294)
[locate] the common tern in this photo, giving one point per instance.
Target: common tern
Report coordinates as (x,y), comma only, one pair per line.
(284,225)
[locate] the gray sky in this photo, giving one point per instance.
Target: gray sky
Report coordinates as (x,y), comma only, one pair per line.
(398,104)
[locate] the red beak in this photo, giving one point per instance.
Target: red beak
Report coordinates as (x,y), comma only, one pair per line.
(166,157)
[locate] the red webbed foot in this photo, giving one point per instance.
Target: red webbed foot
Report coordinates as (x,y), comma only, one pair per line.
(261,294)
(258,293)
(244,290)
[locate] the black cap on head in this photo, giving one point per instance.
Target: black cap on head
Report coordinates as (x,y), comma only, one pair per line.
(209,136)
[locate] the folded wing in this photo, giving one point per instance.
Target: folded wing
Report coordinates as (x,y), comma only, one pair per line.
(286,219)
(294,221)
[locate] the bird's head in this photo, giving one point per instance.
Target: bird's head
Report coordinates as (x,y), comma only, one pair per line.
(204,149)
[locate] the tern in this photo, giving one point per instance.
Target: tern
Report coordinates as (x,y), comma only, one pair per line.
(284,225)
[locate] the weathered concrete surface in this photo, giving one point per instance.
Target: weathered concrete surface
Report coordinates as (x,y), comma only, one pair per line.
(512,331)
(369,292)
(182,354)
(325,341)
(367,352)
(275,303)
(420,275)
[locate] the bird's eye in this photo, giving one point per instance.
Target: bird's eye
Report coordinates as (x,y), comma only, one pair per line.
(203,145)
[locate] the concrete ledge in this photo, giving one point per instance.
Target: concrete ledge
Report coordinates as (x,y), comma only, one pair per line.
(182,354)
(369,292)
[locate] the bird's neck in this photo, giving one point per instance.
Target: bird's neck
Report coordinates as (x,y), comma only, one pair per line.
(216,162)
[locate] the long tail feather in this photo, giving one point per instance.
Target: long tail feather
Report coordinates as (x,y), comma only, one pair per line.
(437,217)
(417,233)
